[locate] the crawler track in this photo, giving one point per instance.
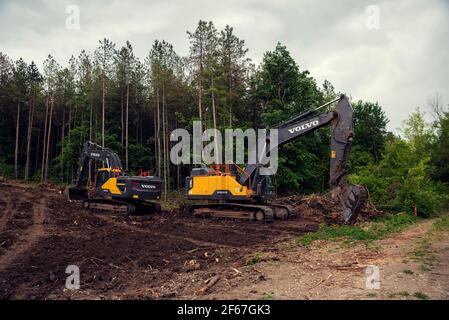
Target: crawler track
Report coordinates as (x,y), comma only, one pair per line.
(239,211)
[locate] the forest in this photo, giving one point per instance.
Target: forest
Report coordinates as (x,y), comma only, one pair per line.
(130,105)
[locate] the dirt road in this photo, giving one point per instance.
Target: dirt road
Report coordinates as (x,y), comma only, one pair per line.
(173,255)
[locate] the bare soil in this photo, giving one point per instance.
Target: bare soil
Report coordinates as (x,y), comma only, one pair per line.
(173,255)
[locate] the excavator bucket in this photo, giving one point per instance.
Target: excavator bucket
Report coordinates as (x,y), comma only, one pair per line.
(76,194)
(352,198)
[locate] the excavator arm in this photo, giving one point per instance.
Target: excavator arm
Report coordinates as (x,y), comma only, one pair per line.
(352,197)
(91,151)
(95,152)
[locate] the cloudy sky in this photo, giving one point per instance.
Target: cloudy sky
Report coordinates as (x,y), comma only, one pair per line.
(393,52)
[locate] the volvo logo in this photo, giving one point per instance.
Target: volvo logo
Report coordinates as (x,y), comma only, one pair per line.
(304,126)
(148,186)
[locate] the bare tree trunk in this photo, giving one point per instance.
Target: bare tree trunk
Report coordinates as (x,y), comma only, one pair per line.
(90,121)
(36,163)
(178,168)
(158,134)
(16,152)
(155,136)
(48,138)
(141,131)
(126,126)
(70,119)
(137,128)
(62,144)
(200,91)
(164,143)
(122,114)
(200,106)
(69,172)
(102,113)
(230,101)
(29,134)
(214,117)
(43,144)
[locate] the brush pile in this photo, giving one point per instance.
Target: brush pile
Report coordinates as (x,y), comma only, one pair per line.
(326,208)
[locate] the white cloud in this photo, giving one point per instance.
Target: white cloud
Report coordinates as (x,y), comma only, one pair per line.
(400,64)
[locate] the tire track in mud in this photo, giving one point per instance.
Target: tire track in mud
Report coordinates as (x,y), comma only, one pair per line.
(196,242)
(7,211)
(290,228)
(30,236)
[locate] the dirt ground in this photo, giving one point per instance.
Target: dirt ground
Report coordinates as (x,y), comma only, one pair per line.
(175,256)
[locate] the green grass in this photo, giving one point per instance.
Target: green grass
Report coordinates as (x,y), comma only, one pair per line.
(442,224)
(266,296)
(423,253)
(407,271)
(403,294)
(421,296)
(375,230)
(255,259)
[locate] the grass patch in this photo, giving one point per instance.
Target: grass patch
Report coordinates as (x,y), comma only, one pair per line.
(375,230)
(371,295)
(401,294)
(266,296)
(422,252)
(421,295)
(255,259)
(442,224)
(407,271)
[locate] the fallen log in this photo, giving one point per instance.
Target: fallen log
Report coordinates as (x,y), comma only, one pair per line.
(209,284)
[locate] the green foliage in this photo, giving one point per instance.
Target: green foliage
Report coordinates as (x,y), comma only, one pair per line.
(255,259)
(140,158)
(378,229)
(6,170)
(370,124)
(285,92)
(440,151)
(418,133)
(402,178)
(360,158)
(442,224)
(420,295)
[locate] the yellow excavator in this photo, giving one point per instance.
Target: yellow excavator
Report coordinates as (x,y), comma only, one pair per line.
(114,190)
(243,193)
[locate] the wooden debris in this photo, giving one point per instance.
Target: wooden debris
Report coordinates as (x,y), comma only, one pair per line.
(209,284)
(320,282)
(236,270)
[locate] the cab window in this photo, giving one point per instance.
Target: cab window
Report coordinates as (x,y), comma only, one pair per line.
(102,177)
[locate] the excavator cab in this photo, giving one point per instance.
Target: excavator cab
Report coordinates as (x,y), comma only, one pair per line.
(103,175)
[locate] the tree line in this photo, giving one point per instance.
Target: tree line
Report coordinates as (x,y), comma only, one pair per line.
(111,97)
